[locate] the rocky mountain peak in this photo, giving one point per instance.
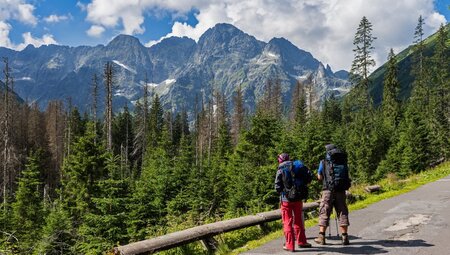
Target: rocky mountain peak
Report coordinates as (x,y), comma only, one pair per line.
(124,41)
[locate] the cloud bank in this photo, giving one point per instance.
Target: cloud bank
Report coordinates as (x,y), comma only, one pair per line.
(22,12)
(325,28)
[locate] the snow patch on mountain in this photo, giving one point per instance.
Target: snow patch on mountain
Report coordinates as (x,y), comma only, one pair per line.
(266,58)
(24,79)
(164,87)
(152,85)
(124,66)
(343,90)
(55,62)
(169,82)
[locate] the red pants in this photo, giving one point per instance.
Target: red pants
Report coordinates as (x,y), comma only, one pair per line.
(291,214)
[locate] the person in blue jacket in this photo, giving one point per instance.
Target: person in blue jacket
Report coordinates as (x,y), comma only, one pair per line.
(292,205)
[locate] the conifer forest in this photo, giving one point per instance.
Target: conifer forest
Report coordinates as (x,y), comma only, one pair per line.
(83,182)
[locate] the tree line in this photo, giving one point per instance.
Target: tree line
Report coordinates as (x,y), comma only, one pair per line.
(73,183)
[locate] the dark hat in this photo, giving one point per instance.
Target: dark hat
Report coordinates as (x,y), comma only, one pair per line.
(330,146)
(283,157)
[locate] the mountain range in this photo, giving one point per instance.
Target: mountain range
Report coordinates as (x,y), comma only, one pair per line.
(178,69)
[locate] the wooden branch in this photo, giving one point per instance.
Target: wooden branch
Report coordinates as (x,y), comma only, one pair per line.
(203,232)
(372,188)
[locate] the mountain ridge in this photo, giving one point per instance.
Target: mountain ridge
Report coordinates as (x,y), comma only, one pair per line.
(178,68)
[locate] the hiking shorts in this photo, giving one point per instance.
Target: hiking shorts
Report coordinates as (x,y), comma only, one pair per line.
(332,200)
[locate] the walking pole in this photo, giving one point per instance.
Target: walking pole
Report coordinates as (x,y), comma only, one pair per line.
(335,218)
(329,229)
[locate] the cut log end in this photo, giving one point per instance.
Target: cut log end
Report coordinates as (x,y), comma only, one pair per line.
(372,188)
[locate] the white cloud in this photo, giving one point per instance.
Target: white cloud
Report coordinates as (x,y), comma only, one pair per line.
(25,14)
(37,42)
(95,31)
(55,18)
(18,10)
(4,35)
(325,28)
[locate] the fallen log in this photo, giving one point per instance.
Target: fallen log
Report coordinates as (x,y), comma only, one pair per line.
(372,188)
(203,233)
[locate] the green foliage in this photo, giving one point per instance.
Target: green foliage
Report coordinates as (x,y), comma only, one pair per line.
(391,104)
(123,137)
(57,233)
(103,225)
(27,209)
(81,169)
(363,60)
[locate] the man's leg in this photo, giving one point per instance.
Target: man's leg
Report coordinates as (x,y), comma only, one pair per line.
(299,228)
(287,217)
(342,213)
(324,215)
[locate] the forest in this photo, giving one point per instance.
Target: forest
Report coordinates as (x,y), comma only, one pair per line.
(82,183)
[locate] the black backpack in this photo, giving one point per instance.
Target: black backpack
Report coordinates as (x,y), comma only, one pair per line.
(295,182)
(336,171)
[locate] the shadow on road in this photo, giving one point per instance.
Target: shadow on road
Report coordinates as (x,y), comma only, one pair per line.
(363,246)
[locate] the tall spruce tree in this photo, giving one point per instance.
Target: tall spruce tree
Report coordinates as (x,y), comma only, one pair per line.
(156,121)
(440,96)
(28,210)
(58,237)
(363,61)
(414,137)
(81,169)
(103,225)
(123,137)
(391,89)
(362,136)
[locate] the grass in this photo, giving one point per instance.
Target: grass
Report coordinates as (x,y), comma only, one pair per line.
(391,186)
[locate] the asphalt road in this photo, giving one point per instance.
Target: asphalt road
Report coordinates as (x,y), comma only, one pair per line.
(417,222)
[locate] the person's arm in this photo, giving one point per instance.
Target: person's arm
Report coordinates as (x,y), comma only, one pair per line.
(279,182)
(320,171)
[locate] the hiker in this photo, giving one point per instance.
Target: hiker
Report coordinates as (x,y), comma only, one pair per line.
(333,172)
(291,183)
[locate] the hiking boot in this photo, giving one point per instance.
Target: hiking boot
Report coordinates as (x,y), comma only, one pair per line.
(305,245)
(286,249)
(320,239)
(345,240)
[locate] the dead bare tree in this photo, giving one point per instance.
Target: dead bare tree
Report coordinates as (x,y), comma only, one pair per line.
(237,124)
(109,83)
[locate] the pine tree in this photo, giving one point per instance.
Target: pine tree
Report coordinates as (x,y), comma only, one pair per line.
(81,169)
(123,137)
(28,206)
(156,121)
(363,61)
(415,138)
(363,136)
(153,190)
(440,96)
(103,225)
(391,89)
(252,165)
(57,234)
(298,104)
(183,169)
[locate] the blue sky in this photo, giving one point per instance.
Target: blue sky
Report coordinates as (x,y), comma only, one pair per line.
(323,27)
